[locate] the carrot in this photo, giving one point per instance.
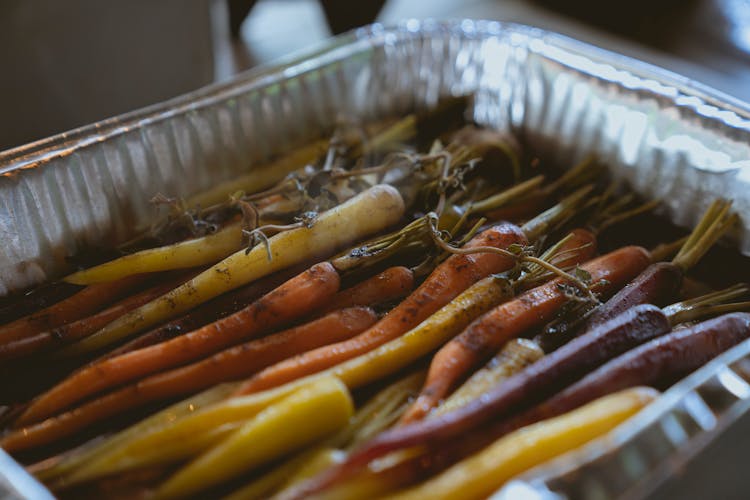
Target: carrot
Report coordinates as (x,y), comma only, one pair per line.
(227,365)
(658,362)
(79,305)
(297,297)
(533,308)
(481,474)
(369,212)
(660,283)
(393,283)
(71,332)
(449,279)
(223,305)
(523,390)
(18,305)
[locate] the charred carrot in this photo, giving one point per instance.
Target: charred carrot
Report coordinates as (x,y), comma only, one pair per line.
(79,305)
(228,365)
(297,297)
(391,284)
(532,308)
(448,280)
(514,357)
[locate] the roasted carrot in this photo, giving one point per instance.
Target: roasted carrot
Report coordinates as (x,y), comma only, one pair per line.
(367,213)
(71,332)
(161,438)
(659,283)
(227,365)
(449,279)
(481,474)
(656,363)
(189,253)
(297,297)
(223,305)
(23,304)
(79,305)
(444,283)
(393,283)
(519,392)
(533,308)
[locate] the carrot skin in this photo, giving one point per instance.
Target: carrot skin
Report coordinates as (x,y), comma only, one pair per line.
(16,306)
(662,360)
(231,364)
(457,434)
(659,285)
(76,330)
(393,283)
(79,305)
(297,297)
(533,383)
(449,279)
(532,308)
(224,305)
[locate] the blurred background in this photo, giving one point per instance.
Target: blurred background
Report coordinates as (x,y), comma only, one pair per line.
(66,64)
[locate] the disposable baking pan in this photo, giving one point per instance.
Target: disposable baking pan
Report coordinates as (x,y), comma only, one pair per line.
(667,136)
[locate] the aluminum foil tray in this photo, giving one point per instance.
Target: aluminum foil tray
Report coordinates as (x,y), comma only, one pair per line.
(667,136)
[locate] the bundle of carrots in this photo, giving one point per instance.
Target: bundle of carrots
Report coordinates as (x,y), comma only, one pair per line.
(413,306)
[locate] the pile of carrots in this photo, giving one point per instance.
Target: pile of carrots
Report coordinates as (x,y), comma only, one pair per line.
(414,308)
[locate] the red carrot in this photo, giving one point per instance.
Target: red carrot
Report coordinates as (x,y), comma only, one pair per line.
(296,298)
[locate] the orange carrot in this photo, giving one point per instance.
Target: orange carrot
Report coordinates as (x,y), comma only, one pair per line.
(231,364)
(71,332)
(533,308)
(223,305)
(393,283)
(296,298)
(449,279)
(79,305)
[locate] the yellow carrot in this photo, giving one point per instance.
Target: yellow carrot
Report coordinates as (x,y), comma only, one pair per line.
(51,472)
(481,474)
(380,412)
(189,253)
(185,436)
(372,210)
(269,482)
(306,415)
